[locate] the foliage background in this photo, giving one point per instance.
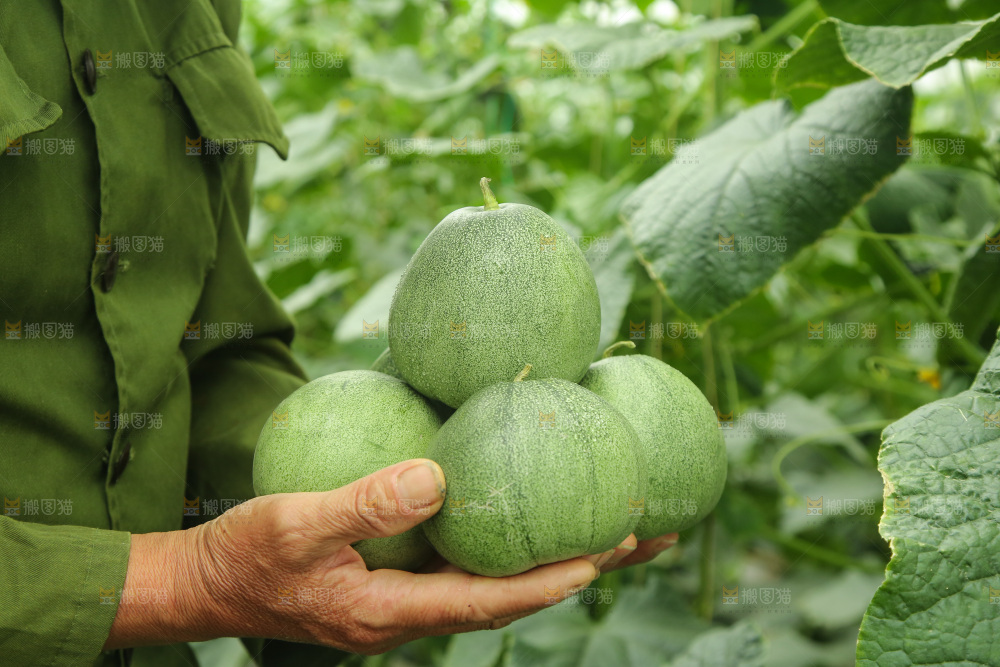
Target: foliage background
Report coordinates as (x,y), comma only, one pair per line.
(808,413)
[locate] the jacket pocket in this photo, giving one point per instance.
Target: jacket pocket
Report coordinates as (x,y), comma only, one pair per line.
(221,91)
(22,110)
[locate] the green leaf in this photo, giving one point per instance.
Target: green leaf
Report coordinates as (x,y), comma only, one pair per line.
(864,12)
(643,625)
(975,300)
(755,177)
(941,464)
(901,12)
(738,646)
(372,307)
(836,53)
(548,7)
(911,186)
(627,47)
(321,284)
(403,75)
(612,267)
(839,602)
(475,649)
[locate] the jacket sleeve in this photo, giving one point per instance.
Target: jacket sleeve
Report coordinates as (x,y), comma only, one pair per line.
(60,588)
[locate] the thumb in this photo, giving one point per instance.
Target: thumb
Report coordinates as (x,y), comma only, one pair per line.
(387,502)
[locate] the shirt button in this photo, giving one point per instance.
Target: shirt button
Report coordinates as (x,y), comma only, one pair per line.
(89,71)
(121,462)
(110,271)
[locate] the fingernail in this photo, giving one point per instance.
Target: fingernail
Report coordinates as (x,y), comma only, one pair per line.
(665,542)
(599,559)
(627,547)
(423,481)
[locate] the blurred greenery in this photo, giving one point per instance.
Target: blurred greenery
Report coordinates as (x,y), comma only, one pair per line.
(396,108)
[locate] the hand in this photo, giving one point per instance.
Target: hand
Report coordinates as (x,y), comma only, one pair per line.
(632,552)
(282,567)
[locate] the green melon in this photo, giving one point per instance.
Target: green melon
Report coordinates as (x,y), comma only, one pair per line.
(678,429)
(490,289)
(385,364)
(340,428)
(537,471)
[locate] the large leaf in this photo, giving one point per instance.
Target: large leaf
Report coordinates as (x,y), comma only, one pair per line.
(372,307)
(629,46)
(755,177)
(402,74)
(836,53)
(642,626)
(941,464)
(612,267)
(476,649)
(738,646)
(907,12)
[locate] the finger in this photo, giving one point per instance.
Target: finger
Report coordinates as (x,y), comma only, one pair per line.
(457,599)
(387,502)
(622,551)
(647,550)
(496,624)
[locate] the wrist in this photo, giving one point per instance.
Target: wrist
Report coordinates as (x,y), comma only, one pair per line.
(157,604)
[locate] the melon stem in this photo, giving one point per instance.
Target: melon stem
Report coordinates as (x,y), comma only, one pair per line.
(611,348)
(491,201)
(523,374)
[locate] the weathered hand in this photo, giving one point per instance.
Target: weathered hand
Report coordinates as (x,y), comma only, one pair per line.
(285,570)
(631,552)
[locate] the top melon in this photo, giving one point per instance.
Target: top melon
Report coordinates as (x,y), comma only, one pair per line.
(490,289)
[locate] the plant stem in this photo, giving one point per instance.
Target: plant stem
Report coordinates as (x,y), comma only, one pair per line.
(969,350)
(711,391)
(728,371)
(817,552)
(706,559)
(706,569)
(523,374)
(796,329)
(794,444)
(491,201)
(783,25)
(711,97)
(656,315)
(970,94)
(901,237)
(611,348)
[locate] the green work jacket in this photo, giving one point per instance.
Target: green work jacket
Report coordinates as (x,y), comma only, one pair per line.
(141,354)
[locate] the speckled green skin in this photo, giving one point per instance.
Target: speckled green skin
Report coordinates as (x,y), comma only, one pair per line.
(679,432)
(534,495)
(521,304)
(342,427)
(385,364)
